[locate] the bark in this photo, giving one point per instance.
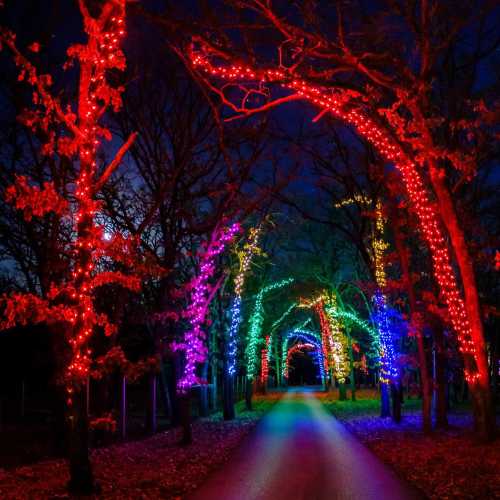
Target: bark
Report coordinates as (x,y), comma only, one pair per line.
(484,422)
(440,380)
(396,396)
(249,394)
(185,414)
(81,477)
(151,413)
(422,359)
(228,397)
(385,400)
(342,391)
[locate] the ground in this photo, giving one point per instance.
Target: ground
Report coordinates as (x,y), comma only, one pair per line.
(447,464)
(152,468)
(298,450)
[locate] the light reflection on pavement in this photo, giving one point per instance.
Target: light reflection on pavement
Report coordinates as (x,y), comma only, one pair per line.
(299,451)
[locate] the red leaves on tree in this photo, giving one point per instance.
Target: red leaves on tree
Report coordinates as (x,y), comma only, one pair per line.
(34,201)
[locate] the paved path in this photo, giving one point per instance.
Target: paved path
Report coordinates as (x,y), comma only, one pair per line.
(299,451)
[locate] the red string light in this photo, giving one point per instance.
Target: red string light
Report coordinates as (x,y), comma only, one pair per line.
(337,102)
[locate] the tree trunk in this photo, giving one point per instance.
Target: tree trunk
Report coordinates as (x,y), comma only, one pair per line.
(422,359)
(123,408)
(203,394)
(164,392)
(185,414)
(213,393)
(228,397)
(249,394)
(396,402)
(440,379)
(385,400)
(351,368)
(484,422)
(81,477)
(342,391)
(151,413)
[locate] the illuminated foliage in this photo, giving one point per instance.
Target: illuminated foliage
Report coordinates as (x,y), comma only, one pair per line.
(70,301)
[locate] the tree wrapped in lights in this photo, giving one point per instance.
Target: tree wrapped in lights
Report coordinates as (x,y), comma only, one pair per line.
(245,256)
(327,344)
(339,353)
(256,322)
(264,364)
(201,295)
(69,303)
(275,325)
(344,104)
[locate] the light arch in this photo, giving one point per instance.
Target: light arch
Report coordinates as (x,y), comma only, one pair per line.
(341,103)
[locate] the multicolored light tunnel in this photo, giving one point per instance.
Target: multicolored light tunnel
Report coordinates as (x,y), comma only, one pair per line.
(305,337)
(341,104)
(255,329)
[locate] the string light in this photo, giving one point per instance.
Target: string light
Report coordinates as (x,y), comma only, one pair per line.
(339,352)
(105,56)
(296,348)
(308,337)
(277,323)
(264,366)
(250,249)
(337,102)
(256,321)
(194,345)
(385,339)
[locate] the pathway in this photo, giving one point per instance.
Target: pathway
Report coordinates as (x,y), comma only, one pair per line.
(299,451)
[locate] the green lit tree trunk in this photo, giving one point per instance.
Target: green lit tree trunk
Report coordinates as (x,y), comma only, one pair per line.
(249,394)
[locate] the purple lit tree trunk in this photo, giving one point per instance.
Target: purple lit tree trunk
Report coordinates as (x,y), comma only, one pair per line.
(193,346)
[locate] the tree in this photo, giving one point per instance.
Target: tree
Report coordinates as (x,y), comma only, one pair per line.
(66,193)
(312,62)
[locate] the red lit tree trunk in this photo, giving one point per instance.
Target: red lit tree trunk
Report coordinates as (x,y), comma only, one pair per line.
(484,423)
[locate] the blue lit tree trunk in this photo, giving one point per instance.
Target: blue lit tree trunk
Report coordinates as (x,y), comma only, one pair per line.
(385,400)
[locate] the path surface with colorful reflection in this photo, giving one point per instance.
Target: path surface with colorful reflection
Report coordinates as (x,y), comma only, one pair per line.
(299,451)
